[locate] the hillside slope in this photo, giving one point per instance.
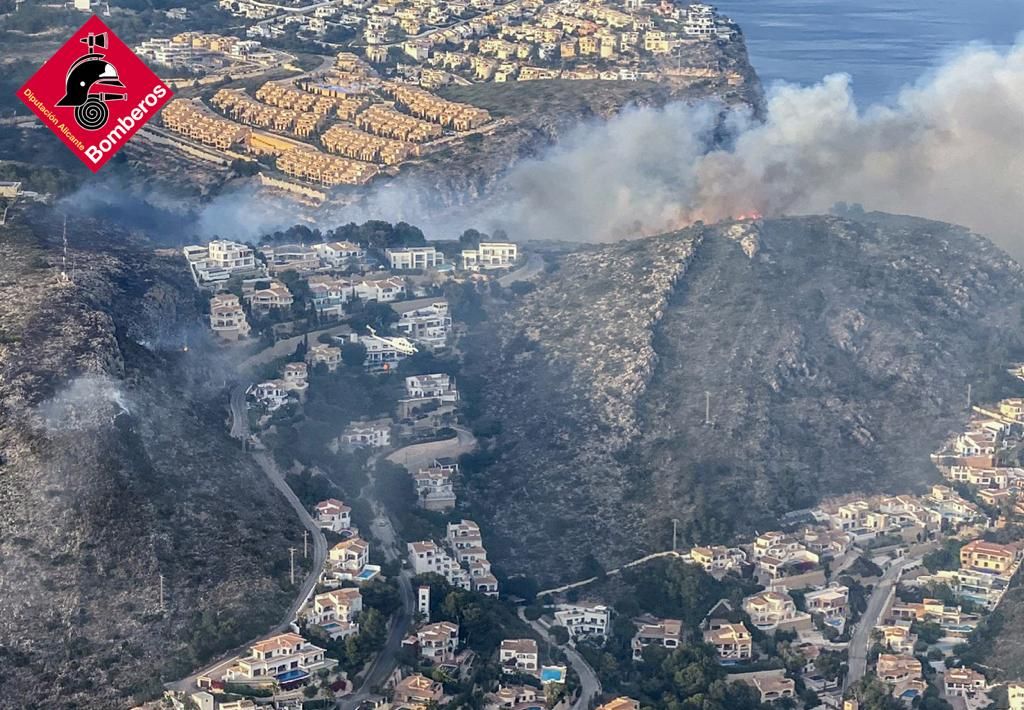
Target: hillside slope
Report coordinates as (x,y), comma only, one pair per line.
(836,353)
(114,471)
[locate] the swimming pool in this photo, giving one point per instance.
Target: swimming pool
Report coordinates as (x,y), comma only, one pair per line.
(552,675)
(292,675)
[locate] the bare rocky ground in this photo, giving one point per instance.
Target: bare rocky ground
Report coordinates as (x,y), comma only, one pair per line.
(114,470)
(837,354)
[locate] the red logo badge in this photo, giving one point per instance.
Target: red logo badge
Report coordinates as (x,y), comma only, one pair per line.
(94,93)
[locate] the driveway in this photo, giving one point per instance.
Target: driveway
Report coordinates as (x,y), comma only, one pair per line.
(533,266)
(417,456)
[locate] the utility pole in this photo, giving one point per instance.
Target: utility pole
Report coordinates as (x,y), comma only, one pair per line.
(675,531)
(305,544)
(968,395)
(292,551)
(161,592)
(707,409)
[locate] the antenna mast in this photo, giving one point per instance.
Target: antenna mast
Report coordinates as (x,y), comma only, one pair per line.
(64,264)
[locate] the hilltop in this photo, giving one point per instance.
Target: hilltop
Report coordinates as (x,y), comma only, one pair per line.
(114,471)
(836,352)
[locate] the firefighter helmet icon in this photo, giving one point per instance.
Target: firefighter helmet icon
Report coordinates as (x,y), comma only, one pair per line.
(89,71)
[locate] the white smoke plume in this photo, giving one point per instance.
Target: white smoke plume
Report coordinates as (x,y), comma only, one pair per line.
(88,402)
(949,148)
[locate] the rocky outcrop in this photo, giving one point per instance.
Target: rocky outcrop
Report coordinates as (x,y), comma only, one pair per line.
(835,353)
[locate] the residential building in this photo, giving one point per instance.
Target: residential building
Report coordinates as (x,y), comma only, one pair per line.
(620,703)
(434,489)
(286,655)
(382,290)
(418,691)
(436,386)
(427,558)
(519,656)
(964,682)
(512,696)
(333,515)
(219,260)
(291,257)
(327,355)
(296,377)
(893,668)
(490,255)
(350,555)
(227,319)
(989,557)
(1015,691)
(583,620)
(438,642)
(773,686)
(732,642)
(773,609)
(265,296)
(832,602)
(336,611)
(375,434)
(329,295)
(411,258)
(716,558)
(272,394)
(666,633)
(897,638)
(425,321)
(382,353)
(339,254)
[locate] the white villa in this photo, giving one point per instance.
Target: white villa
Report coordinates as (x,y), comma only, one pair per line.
(277,656)
(425,321)
(219,260)
(583,620)
(410,258)
(519,656)
(227,319)
(490,255)
(375,434)
(333,515)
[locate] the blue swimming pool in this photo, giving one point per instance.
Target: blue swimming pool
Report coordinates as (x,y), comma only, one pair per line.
(552,675)
(293,674)
(366,574)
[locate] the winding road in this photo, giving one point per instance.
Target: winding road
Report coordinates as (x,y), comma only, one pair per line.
(861,640)
(590,685)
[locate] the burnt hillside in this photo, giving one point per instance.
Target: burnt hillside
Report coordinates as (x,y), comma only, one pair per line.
(837,354)
(113,471)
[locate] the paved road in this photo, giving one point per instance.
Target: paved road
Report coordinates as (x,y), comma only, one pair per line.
(383,532)
(239,415)
(417,456)
(266,463)
(590,685)
(384,664)
(533,266)
(876,605)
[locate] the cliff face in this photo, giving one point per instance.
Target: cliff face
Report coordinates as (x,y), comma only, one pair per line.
(836,354)
(113,472)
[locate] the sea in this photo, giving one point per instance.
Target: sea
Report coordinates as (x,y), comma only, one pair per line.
(883,45)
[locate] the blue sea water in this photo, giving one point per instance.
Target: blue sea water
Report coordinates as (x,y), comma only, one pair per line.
(883,44)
